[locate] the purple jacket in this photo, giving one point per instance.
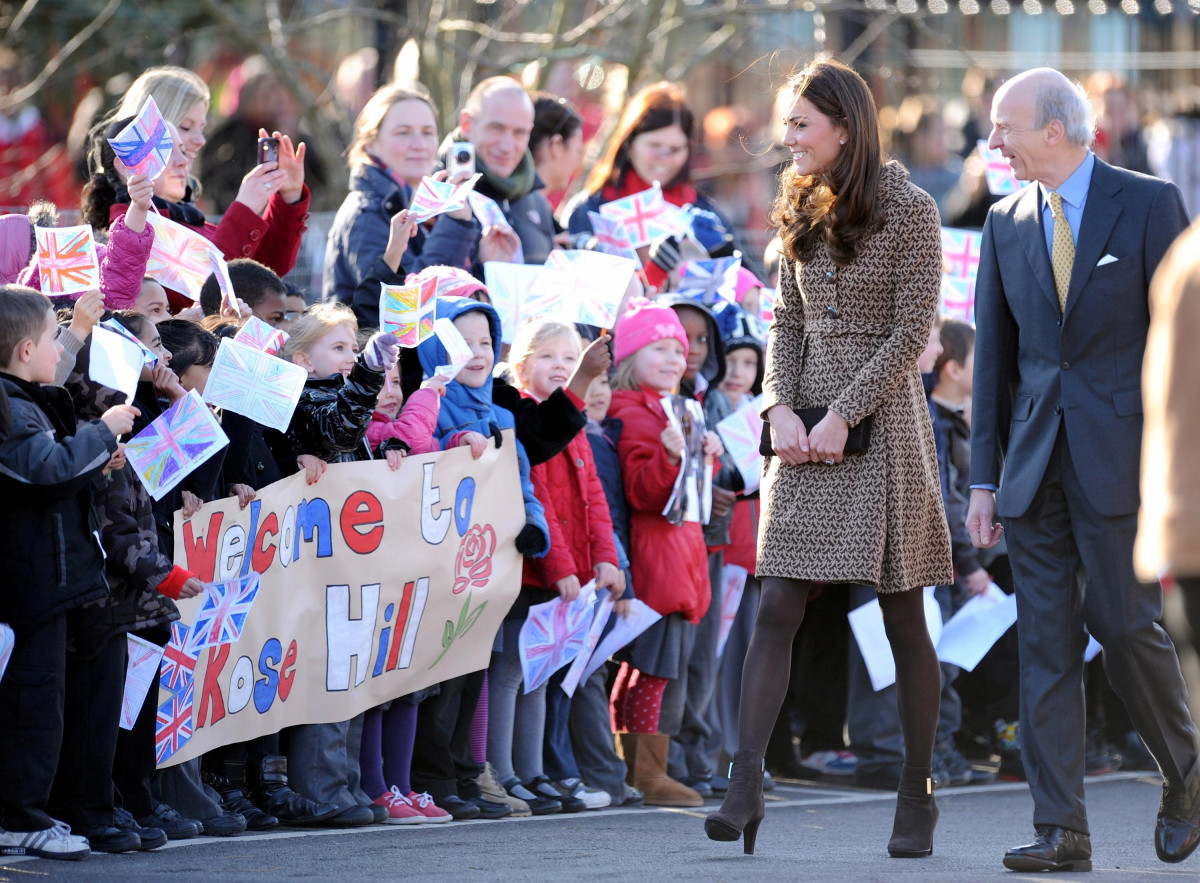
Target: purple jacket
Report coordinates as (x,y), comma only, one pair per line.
(122,266)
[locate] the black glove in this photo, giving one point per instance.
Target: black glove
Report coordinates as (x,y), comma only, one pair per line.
(664,252)
(530,540)
(494,432)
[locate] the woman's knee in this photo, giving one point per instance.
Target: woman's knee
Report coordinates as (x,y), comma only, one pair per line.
(781,605)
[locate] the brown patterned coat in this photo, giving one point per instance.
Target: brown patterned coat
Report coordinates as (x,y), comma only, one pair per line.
(875,518)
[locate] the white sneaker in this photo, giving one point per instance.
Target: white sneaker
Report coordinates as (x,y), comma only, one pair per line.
(56,841)
(593,798)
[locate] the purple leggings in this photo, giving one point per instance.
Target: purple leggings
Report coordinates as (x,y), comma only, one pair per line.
(387,748)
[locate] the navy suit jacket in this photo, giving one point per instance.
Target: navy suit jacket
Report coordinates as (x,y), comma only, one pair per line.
(1038,368)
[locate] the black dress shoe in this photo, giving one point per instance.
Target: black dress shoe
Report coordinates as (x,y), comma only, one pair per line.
(1053,849)
(459,809)
(489,809)
(1177,832)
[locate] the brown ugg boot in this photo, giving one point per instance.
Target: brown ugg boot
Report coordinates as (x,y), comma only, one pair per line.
(627,750)
(647,761)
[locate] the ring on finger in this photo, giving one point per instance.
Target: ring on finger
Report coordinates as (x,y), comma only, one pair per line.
(267,184)
(829,461)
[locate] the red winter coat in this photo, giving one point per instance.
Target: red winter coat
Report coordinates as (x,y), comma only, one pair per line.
(743,534)
(273,239)
(581,530)
(669,563)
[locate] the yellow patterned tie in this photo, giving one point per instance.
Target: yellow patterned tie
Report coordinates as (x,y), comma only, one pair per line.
(1062,254)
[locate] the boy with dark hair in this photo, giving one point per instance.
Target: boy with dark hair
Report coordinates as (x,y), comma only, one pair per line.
(54,564)
(254,284)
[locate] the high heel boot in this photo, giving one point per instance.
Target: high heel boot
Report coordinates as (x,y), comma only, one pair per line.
(916,814)
(743,809)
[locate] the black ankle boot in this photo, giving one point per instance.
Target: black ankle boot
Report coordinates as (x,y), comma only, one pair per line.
(228,779)
(743,809)
(916,814)
(277,796)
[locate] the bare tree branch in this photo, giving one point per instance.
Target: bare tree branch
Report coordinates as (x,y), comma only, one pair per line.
(872,33)
(19,19)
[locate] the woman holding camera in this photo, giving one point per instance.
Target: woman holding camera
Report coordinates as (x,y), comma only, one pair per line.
(857,297)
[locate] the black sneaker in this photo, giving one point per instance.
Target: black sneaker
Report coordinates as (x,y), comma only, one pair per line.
(106,838)
(543,787)
(539,804)
(958,768)
(489,809)
(152,838)
(174,825)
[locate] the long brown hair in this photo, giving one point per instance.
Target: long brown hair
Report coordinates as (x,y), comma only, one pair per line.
(840,205)
(655,107)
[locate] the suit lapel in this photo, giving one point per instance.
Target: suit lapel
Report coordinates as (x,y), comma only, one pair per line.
(1028,221)
(1099,217)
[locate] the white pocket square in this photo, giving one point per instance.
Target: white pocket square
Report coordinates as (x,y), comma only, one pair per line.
(1107,259)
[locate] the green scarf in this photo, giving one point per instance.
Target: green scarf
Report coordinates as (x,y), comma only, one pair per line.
(512,187)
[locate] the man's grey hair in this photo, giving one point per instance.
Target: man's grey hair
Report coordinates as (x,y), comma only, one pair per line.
(1068,103)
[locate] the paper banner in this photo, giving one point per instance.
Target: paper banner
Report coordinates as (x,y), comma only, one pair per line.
(178,669)
(970,633)
(644,215)
(866,623)
(373,584)
(67,259)
(115,360)
(140,673)
(433,198)
(691,497)
(258,335)
(180,258)
(1000,178)
(408,311)
(553,634)
(456,346)
(625,628)
(145,144)
(173,724)
(264,388)
(612,238)
(175,445)
(508,286)
(583,286)
(741,433)
(706,280)
(223,612)
(604,610)
(733,586)
(8,640)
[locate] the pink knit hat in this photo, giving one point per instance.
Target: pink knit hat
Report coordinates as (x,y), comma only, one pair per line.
(643,323)
(451,281)
(745,281)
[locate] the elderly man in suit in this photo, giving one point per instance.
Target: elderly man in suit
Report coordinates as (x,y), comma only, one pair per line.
(1061,307)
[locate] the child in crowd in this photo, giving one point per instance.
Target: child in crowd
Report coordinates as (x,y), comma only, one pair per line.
(443,763)
(399,428)
(330,425)
(47,530)
(669,562)
(748,293)
(544,354)
(152,301)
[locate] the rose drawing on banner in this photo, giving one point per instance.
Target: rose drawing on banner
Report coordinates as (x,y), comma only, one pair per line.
(473,566)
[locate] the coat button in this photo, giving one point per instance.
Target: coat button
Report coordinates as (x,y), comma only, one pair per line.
(247,250)
(1058,410)
(260,468)
(1066,366)
(255,235)
(579,462)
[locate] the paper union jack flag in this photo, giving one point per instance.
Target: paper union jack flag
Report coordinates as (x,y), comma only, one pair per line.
(260,336)
(174,445)
(255,385)
(178,668)
(67,259)
(223,613)
(553,635)
(1000,178)
(766,304)
(960,252)
(173,725)
(180,259)
(148,355)
(708,279)
(145,144)
(611,237)
(487,210)
(436,197)
(741,433)
(221,270)
(584,286)
(644,215)
(408,311)
(957,299)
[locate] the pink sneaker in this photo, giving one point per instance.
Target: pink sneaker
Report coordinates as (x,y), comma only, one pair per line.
(400,809)
(424,804)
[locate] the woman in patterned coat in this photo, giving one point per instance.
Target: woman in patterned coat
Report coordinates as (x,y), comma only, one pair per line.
(857,298)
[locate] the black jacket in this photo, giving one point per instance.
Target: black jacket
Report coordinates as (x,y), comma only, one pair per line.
(333,414)
(52,558)
(544,428)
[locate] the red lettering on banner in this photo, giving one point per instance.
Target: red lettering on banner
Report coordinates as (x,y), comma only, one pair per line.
(401,622)
(287,672)
(202,554)
(217,657)
(362,509)
(262,557)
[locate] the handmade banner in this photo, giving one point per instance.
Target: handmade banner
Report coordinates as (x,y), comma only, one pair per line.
(145,144)
(248,382)
(1000,178)
(67,259)
(364,595)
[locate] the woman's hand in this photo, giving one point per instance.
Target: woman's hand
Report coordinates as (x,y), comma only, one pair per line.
(244,493)
(498,244)
(259,183)
(291,163)
(314,467)
(827,441)
(400,232)
(788,438)
(568,588)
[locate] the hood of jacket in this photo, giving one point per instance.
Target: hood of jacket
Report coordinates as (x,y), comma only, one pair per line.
(462,405)
(713,369)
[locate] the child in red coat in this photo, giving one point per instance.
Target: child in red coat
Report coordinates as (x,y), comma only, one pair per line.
(669,563)
(543,355)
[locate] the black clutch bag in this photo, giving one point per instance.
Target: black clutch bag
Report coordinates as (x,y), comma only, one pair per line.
(857,442)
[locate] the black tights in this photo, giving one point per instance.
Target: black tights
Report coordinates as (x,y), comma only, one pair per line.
(768,665)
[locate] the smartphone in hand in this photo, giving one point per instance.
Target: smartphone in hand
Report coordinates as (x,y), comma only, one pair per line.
(268,150)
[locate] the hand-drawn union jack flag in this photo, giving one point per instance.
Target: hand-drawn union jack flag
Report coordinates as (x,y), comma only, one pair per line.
(260,336)
(181,259)
(408,310)
(67,259)
(553,635)
(223,613)
(178,667)
(433,198)
(706,280)
(145,144)
(174,445)
(611,237)
(960,252)
(173,724)
(644,215)
(255,385)
(1000,178)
